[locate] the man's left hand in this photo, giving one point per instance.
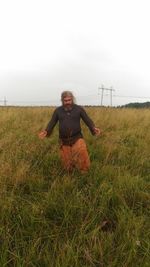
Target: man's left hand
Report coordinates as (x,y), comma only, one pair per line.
(97,131)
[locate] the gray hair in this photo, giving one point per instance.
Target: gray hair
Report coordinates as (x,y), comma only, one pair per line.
(66,94)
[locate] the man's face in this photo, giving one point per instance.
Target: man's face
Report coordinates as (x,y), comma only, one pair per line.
(67,101)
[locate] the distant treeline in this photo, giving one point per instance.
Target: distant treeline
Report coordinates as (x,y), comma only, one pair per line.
(136,105)
(130,105)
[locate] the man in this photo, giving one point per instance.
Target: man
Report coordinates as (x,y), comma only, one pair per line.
(73,149)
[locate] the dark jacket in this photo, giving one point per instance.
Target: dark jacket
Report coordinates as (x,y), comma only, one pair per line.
(69,123)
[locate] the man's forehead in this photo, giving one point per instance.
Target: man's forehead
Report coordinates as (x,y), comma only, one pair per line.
(67,97)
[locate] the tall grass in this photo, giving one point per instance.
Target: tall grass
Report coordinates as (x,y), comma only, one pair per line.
(52,218)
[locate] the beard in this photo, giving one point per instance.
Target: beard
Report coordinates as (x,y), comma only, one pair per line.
(68,107)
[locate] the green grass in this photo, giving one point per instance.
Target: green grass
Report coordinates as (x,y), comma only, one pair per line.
(54,219)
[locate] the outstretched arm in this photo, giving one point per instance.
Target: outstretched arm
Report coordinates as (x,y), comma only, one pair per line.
(50,126)
(94,130)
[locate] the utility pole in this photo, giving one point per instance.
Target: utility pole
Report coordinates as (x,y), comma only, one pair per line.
(102,93)
(111,90)
(5,101)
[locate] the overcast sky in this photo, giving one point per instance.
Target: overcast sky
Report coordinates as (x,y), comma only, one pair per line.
(48,46)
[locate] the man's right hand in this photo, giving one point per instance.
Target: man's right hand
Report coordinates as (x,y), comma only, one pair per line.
(42,134)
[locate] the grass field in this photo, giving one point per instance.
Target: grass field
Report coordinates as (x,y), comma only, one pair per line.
(49,218)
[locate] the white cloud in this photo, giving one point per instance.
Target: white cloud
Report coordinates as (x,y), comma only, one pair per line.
(74,44)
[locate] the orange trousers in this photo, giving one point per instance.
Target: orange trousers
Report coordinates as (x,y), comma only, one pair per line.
(75,156)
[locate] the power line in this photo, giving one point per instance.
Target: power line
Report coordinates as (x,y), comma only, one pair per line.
(140,97)
(56,101)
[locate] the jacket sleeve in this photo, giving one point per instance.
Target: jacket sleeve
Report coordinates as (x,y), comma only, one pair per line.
(87,121)
(52,123)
